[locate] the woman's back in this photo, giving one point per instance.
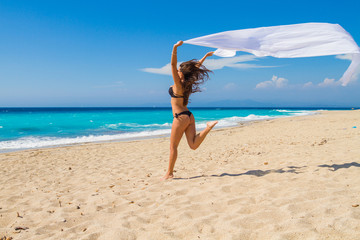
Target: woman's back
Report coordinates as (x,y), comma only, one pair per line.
(177,99)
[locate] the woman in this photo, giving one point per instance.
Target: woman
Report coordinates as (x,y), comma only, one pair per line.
(186,81)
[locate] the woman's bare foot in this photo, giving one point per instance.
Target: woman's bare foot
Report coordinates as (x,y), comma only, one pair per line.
(211,124)
(167,176)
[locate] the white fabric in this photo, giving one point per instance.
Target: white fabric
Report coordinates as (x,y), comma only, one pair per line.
(286,41)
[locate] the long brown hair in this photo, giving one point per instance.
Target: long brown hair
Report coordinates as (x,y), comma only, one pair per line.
(194,75)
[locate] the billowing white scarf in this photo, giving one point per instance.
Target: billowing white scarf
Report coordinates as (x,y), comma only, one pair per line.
(286,41)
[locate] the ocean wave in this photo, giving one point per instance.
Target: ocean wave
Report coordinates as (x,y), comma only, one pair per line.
(136,125)
(38,142)
(234,121)
(281,110)
(293,111)
(302,113)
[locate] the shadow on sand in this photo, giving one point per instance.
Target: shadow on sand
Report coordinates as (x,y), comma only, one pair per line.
(339,166)
(289,169)
(257,173)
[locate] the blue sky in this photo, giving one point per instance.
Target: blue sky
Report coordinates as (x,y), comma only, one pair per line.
(105,53)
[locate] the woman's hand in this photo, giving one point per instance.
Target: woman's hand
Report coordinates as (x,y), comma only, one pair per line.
(179,43)
(209,54)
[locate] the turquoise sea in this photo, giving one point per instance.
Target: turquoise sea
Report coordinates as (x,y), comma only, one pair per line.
(24,128)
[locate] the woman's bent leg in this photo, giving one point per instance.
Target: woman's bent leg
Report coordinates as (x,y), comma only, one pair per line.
(194,140)
(178,127)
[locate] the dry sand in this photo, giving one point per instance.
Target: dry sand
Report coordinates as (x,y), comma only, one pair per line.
(289,178)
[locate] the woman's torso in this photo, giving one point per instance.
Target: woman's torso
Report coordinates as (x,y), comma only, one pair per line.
(177,103)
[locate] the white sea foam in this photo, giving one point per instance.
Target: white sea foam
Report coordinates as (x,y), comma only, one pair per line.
(302,113)
(1,126)
(295,112)
(233,121)
(38,142)
(135,125)
(281,110)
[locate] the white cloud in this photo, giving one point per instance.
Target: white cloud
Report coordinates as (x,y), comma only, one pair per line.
(308,84)
(279,82)
(329,82)
(165,70)
(230,86)
(214,64)
(265,84)
(275,82)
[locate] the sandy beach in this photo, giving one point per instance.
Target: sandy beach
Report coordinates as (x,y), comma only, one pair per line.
(288,178)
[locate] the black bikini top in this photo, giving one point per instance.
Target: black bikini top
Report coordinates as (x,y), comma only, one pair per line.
(172,94)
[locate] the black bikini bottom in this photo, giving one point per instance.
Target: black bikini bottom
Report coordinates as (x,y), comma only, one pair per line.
(183,113)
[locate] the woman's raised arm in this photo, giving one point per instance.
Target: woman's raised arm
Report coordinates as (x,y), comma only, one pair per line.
(203,59)
(174,69)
